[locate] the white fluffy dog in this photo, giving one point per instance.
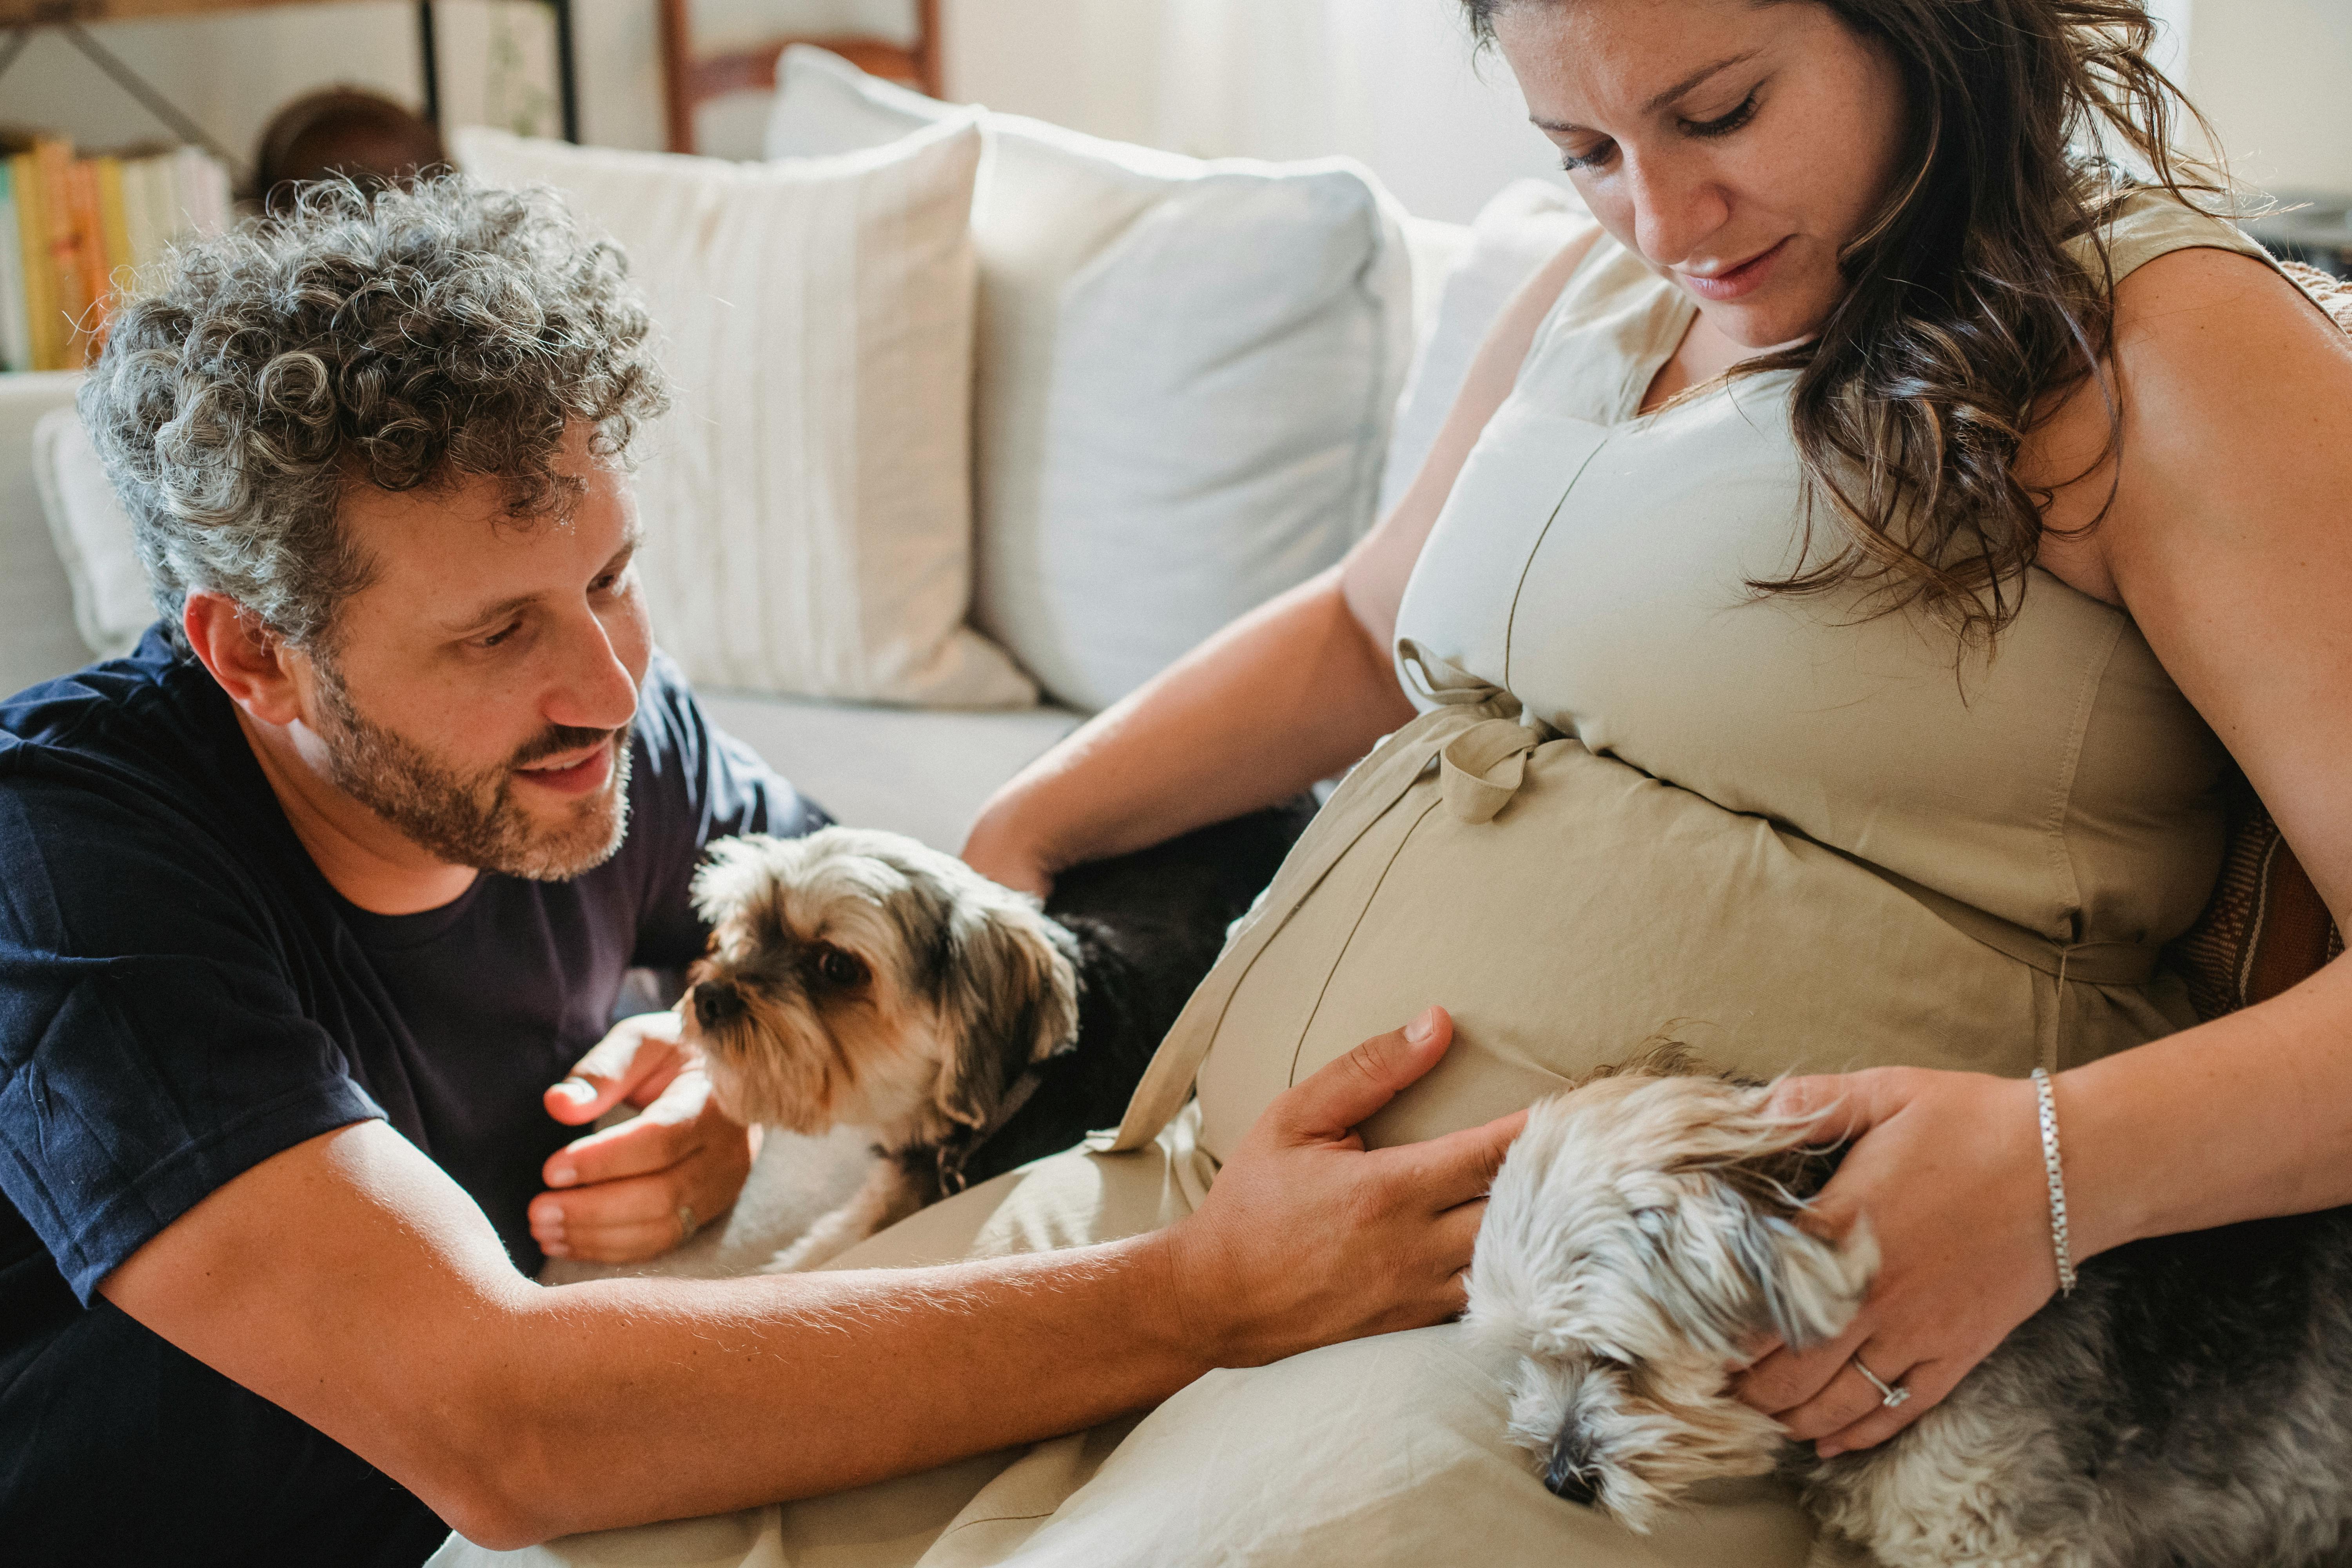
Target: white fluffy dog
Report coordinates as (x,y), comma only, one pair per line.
(2190,1405)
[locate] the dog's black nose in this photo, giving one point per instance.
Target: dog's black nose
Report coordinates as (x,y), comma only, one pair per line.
(716,1004)
(1570,1474)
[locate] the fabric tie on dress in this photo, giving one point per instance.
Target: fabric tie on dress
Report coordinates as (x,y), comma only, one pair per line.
(1474,735)
(1482,768)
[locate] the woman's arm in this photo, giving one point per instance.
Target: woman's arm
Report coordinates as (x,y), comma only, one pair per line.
(2229,541)
(1293,692)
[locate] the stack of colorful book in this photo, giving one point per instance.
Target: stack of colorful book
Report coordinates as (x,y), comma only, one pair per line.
(74,230)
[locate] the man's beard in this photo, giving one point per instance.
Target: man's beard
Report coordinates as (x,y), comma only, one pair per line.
(473,821)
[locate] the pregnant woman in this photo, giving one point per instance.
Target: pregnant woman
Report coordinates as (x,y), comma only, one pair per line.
(1822,629)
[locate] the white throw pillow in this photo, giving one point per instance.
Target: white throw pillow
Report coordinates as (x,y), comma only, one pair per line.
(93,536)
(808,501)
(1526,224)
(1186,371)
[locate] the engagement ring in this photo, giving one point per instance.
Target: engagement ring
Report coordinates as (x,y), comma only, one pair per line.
(1890,1395)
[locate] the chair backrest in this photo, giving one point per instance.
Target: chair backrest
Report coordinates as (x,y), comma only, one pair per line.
(2266,928)
(690,80)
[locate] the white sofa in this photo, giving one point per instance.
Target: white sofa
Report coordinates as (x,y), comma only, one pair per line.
(917,771)
(920,772)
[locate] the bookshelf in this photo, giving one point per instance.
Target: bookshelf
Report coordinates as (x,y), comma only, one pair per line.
(70,226)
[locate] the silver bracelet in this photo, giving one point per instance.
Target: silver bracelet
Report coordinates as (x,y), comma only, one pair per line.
(2057,1181)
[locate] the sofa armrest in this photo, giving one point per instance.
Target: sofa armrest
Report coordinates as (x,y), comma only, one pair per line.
(38,638)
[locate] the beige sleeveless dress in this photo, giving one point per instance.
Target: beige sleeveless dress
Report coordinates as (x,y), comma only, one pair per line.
(1639,799)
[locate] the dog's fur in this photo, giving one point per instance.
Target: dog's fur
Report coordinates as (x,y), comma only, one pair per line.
(2189,1407)
(860,977)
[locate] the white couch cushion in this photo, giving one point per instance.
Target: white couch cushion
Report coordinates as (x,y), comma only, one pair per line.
(37,636)
(1186,373)
(923,773)
(1526,224)
(808,501)
(93,536)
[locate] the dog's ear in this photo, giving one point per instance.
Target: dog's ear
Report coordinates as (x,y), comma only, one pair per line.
(1727,1265)
(733,874)
(1010,993)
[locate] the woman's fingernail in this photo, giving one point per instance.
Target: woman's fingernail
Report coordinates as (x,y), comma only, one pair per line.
(555,1250)
(578,1090)
(1423,1029)
(561,1175)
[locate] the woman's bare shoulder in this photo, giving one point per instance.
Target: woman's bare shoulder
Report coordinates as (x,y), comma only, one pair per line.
(2221,367)
(2227,541)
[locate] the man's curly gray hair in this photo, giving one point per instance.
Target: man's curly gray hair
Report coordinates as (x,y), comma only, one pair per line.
(398,338)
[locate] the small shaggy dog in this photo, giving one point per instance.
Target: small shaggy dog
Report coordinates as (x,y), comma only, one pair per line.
(860,977)
(2190,1405)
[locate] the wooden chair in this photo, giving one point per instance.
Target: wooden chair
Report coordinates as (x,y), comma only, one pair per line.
(690,80)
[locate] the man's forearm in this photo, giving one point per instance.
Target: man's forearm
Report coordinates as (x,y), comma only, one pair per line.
(629,1400)
(351,1281)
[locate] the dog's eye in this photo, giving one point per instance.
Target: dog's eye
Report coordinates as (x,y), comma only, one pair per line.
(835,967)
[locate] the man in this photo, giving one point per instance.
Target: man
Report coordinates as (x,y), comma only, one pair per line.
(304,903)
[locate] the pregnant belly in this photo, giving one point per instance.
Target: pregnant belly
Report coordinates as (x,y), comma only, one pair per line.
(1596,909)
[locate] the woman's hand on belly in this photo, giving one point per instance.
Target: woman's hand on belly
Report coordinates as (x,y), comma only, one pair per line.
(1946,1167)
(1308,1239)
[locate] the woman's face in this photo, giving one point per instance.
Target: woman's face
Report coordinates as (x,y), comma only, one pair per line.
(1735,146)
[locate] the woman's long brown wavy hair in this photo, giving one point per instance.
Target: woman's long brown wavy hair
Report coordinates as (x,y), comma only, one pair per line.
(1966,309)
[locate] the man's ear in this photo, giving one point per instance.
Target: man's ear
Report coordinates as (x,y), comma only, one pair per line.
(251,664)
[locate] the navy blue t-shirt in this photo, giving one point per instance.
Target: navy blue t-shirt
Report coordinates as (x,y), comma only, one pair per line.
(182,995)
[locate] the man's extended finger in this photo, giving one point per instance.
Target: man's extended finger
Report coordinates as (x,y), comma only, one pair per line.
(635,1200)
(637,1147)
(1347,1090)
(617,1244)
(1459,1166)
(635,1061)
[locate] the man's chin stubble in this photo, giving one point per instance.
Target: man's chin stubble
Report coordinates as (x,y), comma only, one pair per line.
(473,822)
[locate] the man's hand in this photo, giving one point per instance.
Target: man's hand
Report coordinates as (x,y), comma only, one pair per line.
(635,1191)
(1948,1167)
(1306,1239)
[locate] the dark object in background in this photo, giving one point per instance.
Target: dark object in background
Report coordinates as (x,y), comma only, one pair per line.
(343,131)
(2316,230)
(1149,927)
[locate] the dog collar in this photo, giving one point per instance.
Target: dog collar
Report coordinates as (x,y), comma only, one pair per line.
(955,1155)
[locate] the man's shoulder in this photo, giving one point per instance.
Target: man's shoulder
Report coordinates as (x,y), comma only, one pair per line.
(138,756)
(149,703)
(689,772)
